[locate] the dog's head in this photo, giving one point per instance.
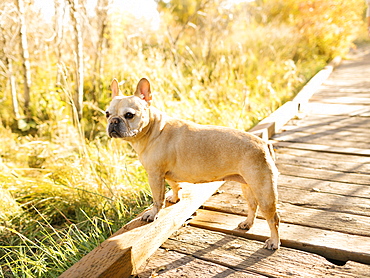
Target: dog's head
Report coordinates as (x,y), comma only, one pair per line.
(128,115)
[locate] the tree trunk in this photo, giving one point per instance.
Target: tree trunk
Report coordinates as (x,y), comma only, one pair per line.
(60,12)
(102,15)
(79,55)
(13,89)
(25,57)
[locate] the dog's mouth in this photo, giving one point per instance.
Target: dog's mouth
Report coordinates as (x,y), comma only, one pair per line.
(115,131)
(114,134)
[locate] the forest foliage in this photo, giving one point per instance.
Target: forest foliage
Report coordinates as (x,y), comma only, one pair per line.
(65,186)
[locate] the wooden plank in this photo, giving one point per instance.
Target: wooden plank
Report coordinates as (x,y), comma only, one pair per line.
(362,160)
(330,120)
(324,201)
(231,201)
(333,109)
(341,98)
(363,113)
(323,148)
(325,186)
(165,263)
(128,248)
(337,133)
(341,144)
(330,138)
(339,91)
(320,174)
(248,255)
(346,81)
(313,138)
(322,163)
(330,244)
(335,99)
(325,125)
(322,127)
(334,221)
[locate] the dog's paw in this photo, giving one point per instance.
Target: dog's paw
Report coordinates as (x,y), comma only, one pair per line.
(272,244)
(173,199)
(150,215)
(245,225)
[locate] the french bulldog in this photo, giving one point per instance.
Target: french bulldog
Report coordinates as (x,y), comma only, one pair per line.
(182,151)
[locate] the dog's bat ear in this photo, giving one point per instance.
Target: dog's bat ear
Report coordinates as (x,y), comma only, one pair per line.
(143,90)
(114,88)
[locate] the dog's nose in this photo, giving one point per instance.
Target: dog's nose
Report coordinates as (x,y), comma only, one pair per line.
(116,121)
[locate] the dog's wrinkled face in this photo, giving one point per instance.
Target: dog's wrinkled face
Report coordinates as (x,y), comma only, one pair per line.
(127,116)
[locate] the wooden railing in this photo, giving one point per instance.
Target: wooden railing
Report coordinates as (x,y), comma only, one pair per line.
(127,249)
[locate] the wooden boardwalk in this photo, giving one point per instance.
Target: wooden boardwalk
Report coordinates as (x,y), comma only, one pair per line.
(323,156)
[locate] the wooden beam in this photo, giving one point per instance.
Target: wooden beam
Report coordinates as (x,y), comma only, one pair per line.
(266,128)
(312,86)
(127,249)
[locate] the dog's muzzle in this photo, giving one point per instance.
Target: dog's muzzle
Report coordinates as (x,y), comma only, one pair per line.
(118,128)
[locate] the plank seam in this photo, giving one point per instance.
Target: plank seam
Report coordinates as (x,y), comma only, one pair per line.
(323,209)
(324,179)
(325,192)
(316,150)
(339,171)
(289,222)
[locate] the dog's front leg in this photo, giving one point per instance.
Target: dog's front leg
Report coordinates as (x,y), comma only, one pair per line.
(174,198)
(157,186)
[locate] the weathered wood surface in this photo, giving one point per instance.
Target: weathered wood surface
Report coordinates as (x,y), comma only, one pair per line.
(179,263)
(298,211)
(330,244)
(127,249)
(323,156)
(237,254)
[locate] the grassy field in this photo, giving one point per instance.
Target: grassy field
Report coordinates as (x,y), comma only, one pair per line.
(65,187)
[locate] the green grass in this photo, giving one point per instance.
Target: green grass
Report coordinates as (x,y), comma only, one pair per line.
(65,187)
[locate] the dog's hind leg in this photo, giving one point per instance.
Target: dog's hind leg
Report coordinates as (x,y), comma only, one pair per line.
(264,187)
(267,200)
(274,241)
(252,207)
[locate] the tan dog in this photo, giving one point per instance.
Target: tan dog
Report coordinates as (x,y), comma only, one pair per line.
(182,151)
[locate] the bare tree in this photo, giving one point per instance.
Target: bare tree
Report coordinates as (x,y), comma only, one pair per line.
(13,89)
(60,7)
(9,30)
(102,17)
(77,26)
(25,57)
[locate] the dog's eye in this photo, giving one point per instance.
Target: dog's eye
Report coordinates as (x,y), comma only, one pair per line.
(129,115)
(107,114)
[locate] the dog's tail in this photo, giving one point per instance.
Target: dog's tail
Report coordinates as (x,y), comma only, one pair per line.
(271,150)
